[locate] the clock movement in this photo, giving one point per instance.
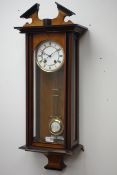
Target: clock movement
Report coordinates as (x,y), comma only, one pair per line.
(52,85)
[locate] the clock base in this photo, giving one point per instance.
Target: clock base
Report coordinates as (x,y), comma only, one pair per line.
(55,156)
(55,162)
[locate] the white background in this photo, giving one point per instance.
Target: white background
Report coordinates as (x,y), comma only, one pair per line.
(98,89)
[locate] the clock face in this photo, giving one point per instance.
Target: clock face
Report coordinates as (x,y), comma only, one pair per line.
(50,56)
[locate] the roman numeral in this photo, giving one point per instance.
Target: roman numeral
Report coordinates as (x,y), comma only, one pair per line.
(59,61)
(58,49)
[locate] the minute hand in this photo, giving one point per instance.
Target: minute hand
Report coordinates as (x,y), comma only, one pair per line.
(54,52)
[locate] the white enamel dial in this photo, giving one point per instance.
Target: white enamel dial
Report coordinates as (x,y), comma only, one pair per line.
(55,127)
(50,56)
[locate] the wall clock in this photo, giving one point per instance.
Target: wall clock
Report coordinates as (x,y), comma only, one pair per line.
(52,61)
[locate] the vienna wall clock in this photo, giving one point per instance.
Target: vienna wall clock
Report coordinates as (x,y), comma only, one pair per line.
(52,85)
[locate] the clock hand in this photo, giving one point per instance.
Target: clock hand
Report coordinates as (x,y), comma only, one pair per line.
(54,52)
(44,53)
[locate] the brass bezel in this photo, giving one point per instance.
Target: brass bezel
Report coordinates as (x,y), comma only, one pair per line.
(58,120)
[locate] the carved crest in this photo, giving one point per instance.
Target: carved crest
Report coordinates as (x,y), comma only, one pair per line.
(59,20)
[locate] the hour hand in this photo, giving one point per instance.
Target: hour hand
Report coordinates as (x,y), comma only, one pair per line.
(43,53)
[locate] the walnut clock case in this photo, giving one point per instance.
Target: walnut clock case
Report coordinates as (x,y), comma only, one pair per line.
(52,85)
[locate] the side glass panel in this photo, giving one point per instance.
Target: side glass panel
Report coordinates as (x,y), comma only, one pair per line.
(48,123)
(74,92)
